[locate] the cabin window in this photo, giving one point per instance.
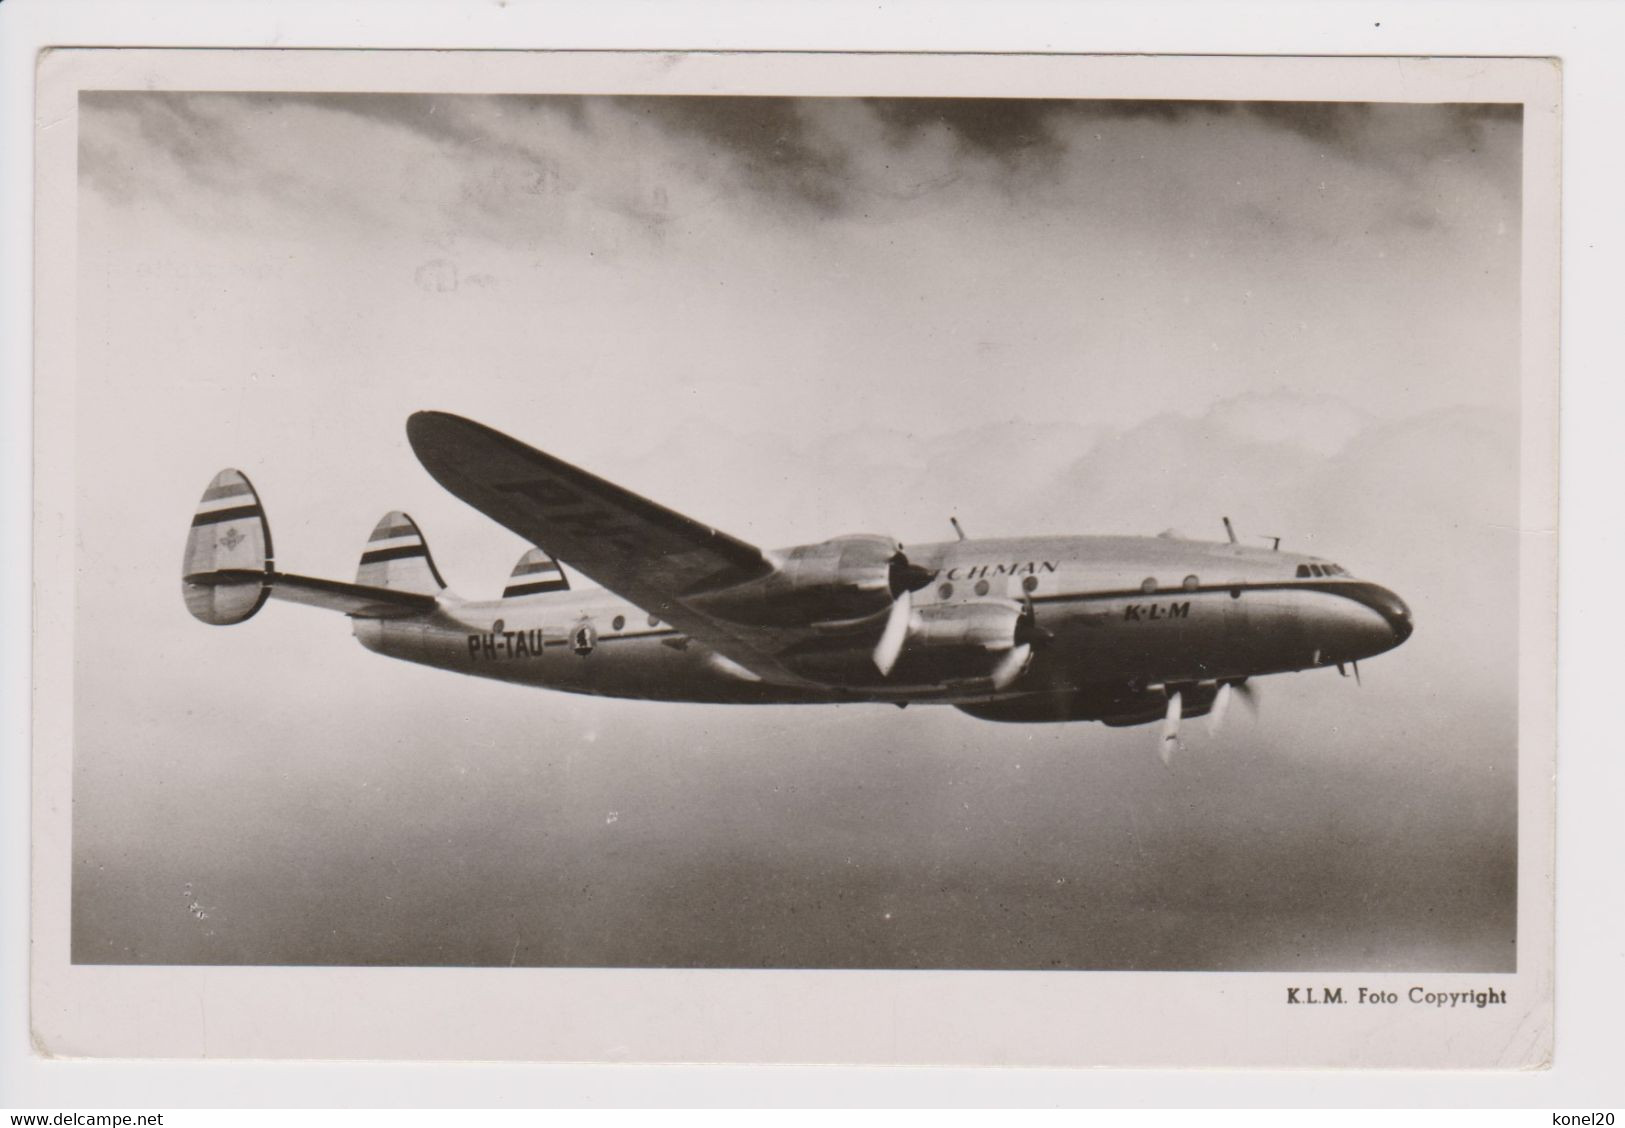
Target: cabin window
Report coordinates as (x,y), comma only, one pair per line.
(496,627)
(1192,583)
(1149,585)
(654,620)
(1030,584)
(1235,593)
(946,591)
(618,622)
(981,587)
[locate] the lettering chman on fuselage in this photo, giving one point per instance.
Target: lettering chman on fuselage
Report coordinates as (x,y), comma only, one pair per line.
(983,571)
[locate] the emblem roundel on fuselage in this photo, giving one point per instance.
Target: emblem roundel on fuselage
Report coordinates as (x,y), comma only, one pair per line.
(583,639)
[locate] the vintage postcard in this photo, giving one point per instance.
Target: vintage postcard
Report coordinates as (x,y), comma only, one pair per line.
(919,559)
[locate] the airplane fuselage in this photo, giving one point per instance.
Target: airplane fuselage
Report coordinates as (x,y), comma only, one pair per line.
(1118,616)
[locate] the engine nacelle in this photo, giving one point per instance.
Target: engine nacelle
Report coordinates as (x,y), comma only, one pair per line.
(986,624)
(966,643)
(835,581)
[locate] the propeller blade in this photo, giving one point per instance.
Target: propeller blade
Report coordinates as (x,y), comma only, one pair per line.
(1027,628)
(1170,726)
(1249,696)
(1221,703)
(1012,665)
(890,646)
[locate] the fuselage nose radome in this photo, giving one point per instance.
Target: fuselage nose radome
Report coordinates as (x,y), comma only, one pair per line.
(1359,620)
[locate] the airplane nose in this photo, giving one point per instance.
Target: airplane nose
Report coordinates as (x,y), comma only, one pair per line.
(1384,603)
(1393,609)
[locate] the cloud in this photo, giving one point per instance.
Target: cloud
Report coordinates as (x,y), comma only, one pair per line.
(505,159)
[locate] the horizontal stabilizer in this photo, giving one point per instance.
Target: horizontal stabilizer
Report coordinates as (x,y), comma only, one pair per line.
(228,572)
(356,600)
(536,573)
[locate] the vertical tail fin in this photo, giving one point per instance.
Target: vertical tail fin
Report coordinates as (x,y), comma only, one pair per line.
(536,572)
(397,557)
(226,573)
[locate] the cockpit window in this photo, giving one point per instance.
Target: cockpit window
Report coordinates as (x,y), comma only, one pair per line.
(1308,571)
(1303,572)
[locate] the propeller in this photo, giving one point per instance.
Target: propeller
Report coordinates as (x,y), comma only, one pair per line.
(1027,628)
(1221,703)
(1010,667)
(1248,695)
(907,578)
(1170,726)
(890,646)
(903,576)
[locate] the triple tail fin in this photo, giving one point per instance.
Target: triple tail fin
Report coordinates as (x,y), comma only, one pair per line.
(228,571)
(535,573)
(397,558)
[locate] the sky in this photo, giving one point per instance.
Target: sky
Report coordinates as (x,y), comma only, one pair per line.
(794,319)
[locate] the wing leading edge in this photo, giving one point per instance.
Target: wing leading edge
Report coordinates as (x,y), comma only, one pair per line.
(647,553)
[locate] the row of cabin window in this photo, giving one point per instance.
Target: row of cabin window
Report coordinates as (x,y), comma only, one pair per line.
(1030,584)
(615,624)
(1190,583)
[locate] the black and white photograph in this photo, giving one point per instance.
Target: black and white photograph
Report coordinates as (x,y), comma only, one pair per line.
(806,532)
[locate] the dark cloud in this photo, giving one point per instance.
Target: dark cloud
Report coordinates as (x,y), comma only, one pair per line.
(1002,126)
(209,139)
(169,125)
(1008,129)
(465,121)
(770,139)
(789,154)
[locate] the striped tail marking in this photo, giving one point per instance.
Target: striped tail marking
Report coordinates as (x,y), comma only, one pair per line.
(536,572)
(397,557)
(229,535)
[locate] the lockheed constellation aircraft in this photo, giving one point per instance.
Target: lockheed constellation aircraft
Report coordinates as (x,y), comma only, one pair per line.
(1123,630)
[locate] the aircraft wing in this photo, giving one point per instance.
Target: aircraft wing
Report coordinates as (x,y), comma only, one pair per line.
(628,544)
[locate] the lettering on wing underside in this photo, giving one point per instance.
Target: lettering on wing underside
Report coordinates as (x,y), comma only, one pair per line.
(579,515)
